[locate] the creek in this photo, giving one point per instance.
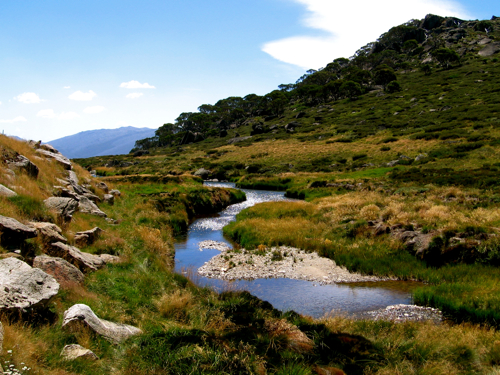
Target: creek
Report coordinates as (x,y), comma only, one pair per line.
(304,297)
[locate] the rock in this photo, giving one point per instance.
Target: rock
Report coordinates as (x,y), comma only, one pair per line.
(432,21)
(115,192)
(109,199)
(290,127)
(22,163)
(80,314)
(6,192)
(64,272)
(11,255)
(101,185)
(86,206)
(393,163)
(50,148)
(23,287)
(75,351)
(62,160)
(13,233)
(203,173)
(63,207)
(490,49)
(110,259)
(380,229)
(421,157)
(63,192)
(49,233)
(85,262)
(295,338)
(420,243)
(92,197)
(87,237)
(300,115)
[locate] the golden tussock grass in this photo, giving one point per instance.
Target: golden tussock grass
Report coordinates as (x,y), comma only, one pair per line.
(155,241)
(176,305)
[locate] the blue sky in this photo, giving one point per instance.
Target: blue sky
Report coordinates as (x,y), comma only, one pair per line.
(69,66)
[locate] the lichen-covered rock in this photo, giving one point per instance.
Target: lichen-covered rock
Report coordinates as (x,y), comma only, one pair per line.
(85,262)
(80,314)
(75,351)
(85,205)
(13,233)
(64,272)
(6,192)
(23,287)
(63,207)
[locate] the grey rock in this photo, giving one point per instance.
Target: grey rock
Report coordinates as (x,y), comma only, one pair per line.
(73,178)
(63,207)
(49,233)
(62,160)
(393,163)
(490,49)
(66,274)
(85,262)
(22,163)
(110,259)
(80,314)
(50,148)
(63,192)
(23,287)
(6,192)
(109,198)
(115,192)
(421,157)
(13,233)
(238,139)
(101,185)
(87,237)
(75,351)
(86,206)
(203,173)
(92,197)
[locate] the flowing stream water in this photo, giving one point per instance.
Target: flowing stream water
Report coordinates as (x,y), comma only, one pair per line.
(304,297)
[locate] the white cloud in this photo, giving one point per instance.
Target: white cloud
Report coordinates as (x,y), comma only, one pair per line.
(134,95)
(46,113)
(28,98)
(136,85)
(349,25)
(82,96)
(17,119)
(50,114)
(94,109)
(67,87)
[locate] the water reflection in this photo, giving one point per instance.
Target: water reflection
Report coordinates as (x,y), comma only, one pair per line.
(304,297)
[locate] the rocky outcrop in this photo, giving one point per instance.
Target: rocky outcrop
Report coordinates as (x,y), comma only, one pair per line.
(6,192)
(82,315)
(109,199)
(87,237)
(86,206)
(63,207)
(49,233)
(490,49)
(13,233)
(75,351)
(64,272)
(85,262)
(22,163)
(101,185)
(59,158)
(203,173)
(24,288)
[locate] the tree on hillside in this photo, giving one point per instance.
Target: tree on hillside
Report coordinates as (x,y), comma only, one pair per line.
(383,75)
(446,57)
(351,89)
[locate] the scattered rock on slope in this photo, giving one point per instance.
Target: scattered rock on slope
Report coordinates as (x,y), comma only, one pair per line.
(6,192)
(84,261)
(23,287)
(80,314)
(22,163)
(64,272)
(63,207)
(75,351)
(87,237)
(13,233)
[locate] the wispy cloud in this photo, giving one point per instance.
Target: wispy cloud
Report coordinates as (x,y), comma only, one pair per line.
(82,96)
(28,98)
(349,25)
(67,87)
(50,114)
(136,85)
(16,119)
(94,109)
(134,95)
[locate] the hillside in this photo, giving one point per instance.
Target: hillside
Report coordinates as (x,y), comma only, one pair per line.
(100,142)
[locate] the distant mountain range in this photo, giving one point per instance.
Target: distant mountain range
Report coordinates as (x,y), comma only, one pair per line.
(101,142)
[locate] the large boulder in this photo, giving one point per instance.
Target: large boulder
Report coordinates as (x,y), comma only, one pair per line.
(23,288)
(87,237)
(63,207)
(13,233)
(22,163)
(82,315)
(85,262)
(6,192)
(66,274)
(86,206)
(59,158)
(490,49)
(75,351)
